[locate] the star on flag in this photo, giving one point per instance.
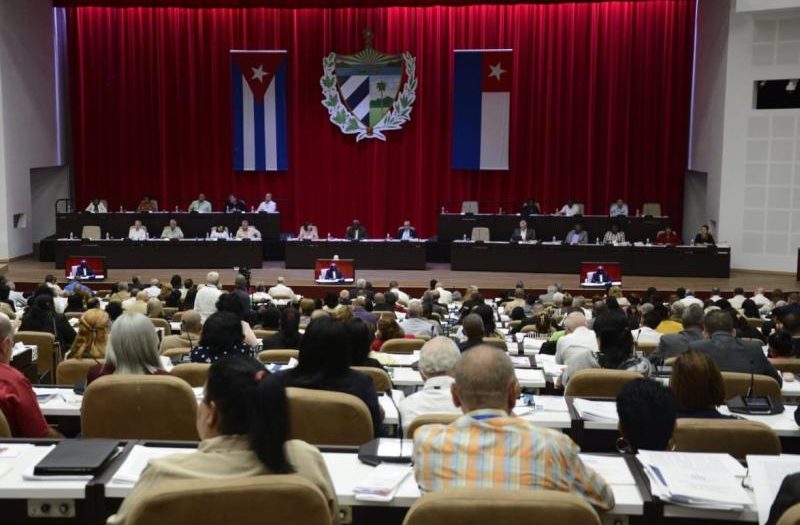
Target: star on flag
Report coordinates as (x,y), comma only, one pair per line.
(259,73)
(496,71)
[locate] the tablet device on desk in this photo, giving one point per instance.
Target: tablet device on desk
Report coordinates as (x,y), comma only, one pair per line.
(77,457)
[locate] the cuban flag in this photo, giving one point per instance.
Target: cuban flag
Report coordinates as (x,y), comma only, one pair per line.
(482,109)
(258,87)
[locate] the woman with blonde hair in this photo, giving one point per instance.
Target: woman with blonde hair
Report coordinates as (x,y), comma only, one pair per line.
(92,339)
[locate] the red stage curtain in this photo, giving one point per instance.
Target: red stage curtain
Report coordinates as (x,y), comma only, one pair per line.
(600,108)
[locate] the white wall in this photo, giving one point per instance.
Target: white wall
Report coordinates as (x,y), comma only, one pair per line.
(28,124)
(754,170)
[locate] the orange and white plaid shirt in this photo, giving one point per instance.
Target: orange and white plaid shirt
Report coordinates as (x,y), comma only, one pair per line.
(490,449)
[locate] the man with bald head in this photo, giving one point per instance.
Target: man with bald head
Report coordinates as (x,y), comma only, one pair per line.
(488,447)
(415,322)
(191,327)
(17,399)
(577,338)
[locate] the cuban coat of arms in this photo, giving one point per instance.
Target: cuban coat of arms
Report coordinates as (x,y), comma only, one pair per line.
(369,93)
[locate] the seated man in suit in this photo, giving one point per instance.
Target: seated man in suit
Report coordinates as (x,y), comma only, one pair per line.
(137,232)
(489,447)
(668,237)
(406,232)
(200,205)
(600,276)
(356,231)
(246,231)
(670,345)
(234,204)
(267,205)
(523,233)
(83,271)
(96,206)
(729,352)
(531,207)
(577,235)
(618,209)
(219,232)
(333,273)
(172,231)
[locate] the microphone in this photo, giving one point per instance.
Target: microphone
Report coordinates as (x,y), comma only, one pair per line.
(750,391)
(399,418)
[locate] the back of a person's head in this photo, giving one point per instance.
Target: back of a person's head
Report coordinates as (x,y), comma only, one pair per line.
(651,319)
(306,306)
(692,316)
(614,341)
(114,310)
(389,329)
(391,298)
(360,334)
(379,298)
(750,309)
(473,326)
(331,300)
(5,292)
(191,322)
(647,412)
(43,290)
(738,291)
(176,281)
(780,344)
(222,331)
(92,336)
(75,302)
(487,316)
(483,377)
(791,323)
(212,278)
(133,346)
(517,313)
(250,402)
(290,322)
(415,309)
(575,320)
(324,348)
(6,328)
(269,317)
(438,356)
(696,382)
(154,308)
(42,307)
(718,321)
(228,302)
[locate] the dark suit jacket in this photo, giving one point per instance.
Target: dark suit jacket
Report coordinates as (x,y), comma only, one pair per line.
(351,232)
(237,206)
(600,277)
(412,231)
(531,209)
(517,235)
(84,271)
(333,273)
(734,355)
(670,345)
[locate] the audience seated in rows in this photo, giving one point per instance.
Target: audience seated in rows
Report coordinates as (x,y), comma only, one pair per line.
(670,345)
(647,412)
(415,323)
(228,302)
(189,335)
(222,337)
(41,316)
(577,338)
(361,335)
(243,425)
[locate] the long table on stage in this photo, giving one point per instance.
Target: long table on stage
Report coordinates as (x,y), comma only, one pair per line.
(678,261)
(368,254)
(193,224)
(453,226)
(164,254)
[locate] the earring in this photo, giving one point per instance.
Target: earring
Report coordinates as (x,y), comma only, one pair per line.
(622,446)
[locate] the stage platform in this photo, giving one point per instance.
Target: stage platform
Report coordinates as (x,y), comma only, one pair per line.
(27,272)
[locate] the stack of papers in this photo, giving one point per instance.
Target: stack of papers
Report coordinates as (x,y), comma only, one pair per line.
(520,361)
(613,469)
(382,483)
(766,474)
(596,410)
(130,471)
(705,481)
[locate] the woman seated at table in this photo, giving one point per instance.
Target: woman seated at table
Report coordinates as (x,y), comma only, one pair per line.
(147,204)
(222,337)
(647,413)
(325,365)
(388,329)
(361,336)
(308,232)
(92,339)
(41,316)
(698,386)
(243,424)
(704,237)
(219,232)
(132,349)
(288,335)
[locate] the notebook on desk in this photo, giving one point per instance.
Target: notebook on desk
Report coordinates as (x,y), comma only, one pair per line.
(77,456)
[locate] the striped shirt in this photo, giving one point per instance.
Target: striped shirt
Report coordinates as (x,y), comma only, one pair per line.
(490,449)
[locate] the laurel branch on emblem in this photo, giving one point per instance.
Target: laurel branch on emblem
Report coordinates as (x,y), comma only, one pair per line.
(348,123)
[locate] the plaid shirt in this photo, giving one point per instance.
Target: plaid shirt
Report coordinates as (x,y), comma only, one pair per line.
(490,449)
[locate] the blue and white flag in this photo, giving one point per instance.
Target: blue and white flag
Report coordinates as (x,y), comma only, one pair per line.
(258,88)
(482,109)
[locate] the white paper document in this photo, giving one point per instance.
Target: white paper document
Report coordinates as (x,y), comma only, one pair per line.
(596,410)
(767,474)
(131,469)
(614,469)
(382,483)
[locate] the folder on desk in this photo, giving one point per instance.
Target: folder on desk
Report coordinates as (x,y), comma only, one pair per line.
(77,456)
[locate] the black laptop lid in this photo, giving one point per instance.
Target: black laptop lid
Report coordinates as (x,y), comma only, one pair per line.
(77,456)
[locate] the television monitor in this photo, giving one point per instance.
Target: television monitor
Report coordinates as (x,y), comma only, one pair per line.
(600,274)
(345,267)
(96,268)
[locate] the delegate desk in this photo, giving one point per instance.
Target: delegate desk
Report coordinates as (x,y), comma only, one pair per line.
(370,254)
(192,224)
(677,261)
(184,253)
(453,226)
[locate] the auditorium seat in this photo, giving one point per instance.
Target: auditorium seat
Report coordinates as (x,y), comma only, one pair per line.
(177,317)
(91,232)
(755,322)
(261,334)
(139,407)
(193,373)
(737,437)
(469,207)
(481,233)
(467,505)
(47,351)
(581,208)
(5,430)
(320,417)
(161,323)
(429,419)
(73,371)
(738,383)
(73,315)
(495,342)
(288,499)
(791,516)
(598,382)
(646,348)
(380,378)
(651,208)
(786,364)
(401,346)
(280,356)
(169,311)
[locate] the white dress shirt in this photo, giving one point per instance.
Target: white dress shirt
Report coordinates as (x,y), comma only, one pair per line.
(268,207)
(417,326)
(617,210)
(250,233)
(200,207)
(736,301)
(434,398)
(402,297)
(445,297)
(219,235)
(760,299)
(100,208)
(137,235)
(569,211)
(153,291)
(281,291)
(205,302)
(570,345)
(646,334)
(689,300)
